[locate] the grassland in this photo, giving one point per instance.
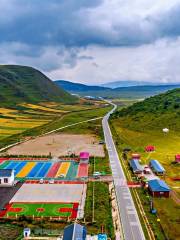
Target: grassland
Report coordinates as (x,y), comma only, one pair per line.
(102,209)
(168,210)
(10,232)
(98,164)
(140,125)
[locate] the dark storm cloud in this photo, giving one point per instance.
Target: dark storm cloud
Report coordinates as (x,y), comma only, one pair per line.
(55,34)
(69,23)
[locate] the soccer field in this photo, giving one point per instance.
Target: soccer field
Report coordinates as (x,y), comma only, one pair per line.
(42,210)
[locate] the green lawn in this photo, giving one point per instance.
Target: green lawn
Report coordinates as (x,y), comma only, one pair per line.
(31,209)
(102,209)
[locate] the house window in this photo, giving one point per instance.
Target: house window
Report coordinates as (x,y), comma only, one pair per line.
(5,180)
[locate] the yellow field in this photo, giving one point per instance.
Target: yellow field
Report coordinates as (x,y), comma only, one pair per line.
(30,116)
(63,169)
(39,107)
(24,172)
(15,121)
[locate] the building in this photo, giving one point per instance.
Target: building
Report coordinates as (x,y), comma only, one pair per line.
(84,157)
(6,177)
(177,158)
(136,156)
(147,170)
(27,232)
(136,167)
(158,188)
(75,232)
(150,148)
(156,167)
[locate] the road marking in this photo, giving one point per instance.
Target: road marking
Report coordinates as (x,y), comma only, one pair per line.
(133,223)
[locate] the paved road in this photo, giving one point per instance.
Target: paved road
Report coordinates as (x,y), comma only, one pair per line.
(131,225)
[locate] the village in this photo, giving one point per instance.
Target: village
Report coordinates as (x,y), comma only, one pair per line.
(55,187)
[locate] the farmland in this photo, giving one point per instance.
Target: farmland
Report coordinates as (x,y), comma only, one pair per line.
(27,120)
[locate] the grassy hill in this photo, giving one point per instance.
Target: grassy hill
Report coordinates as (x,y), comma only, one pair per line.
(26,84)
(155,112)
(140,125)
(131,92)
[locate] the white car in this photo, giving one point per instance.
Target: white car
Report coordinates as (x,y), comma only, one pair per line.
(41,181)
(51,181)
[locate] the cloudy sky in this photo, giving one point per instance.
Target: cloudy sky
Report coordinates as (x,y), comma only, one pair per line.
(93,41)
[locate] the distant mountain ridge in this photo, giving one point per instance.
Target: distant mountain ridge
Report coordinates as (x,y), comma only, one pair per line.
(70,86)
(26,84)
(121,92)
(118,84)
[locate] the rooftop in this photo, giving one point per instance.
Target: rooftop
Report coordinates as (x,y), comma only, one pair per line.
(158,185)
(84,155)
(74,231)
(135,165)
(6,172)
(157,166)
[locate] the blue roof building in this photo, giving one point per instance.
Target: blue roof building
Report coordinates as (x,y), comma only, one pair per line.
(136,167)
(6,172)
(75,232)
(157,167)
(158,188)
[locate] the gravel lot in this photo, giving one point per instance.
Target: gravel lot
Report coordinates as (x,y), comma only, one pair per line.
(59,145)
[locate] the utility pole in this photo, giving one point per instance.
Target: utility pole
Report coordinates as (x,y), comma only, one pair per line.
(93,204)
(94,164)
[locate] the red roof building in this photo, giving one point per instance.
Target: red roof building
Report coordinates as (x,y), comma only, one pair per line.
(177,158)
(136,156)
(150,148)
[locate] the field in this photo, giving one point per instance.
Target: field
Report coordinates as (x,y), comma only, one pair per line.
(42,210)
(47,200)
(29,120)
(167,146)
(59,145)
(47,170)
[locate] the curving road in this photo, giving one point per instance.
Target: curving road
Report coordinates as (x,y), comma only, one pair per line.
(131,225)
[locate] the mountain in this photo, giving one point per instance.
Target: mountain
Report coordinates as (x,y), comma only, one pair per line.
(26,84)
(143,91)
(118,84)
(155,112)
(78,87)
(134,92)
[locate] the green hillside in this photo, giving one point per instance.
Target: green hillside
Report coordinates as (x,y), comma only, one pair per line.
(26,84)
(140,125)
(155,112)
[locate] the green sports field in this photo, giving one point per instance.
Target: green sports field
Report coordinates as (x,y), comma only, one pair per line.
(42,210)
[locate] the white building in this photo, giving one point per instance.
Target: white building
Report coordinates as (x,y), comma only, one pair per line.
(6,177)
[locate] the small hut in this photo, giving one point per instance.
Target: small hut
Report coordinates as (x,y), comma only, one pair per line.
(177,158)
(150,148)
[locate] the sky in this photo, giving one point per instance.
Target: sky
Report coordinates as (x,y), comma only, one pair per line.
(93,41)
